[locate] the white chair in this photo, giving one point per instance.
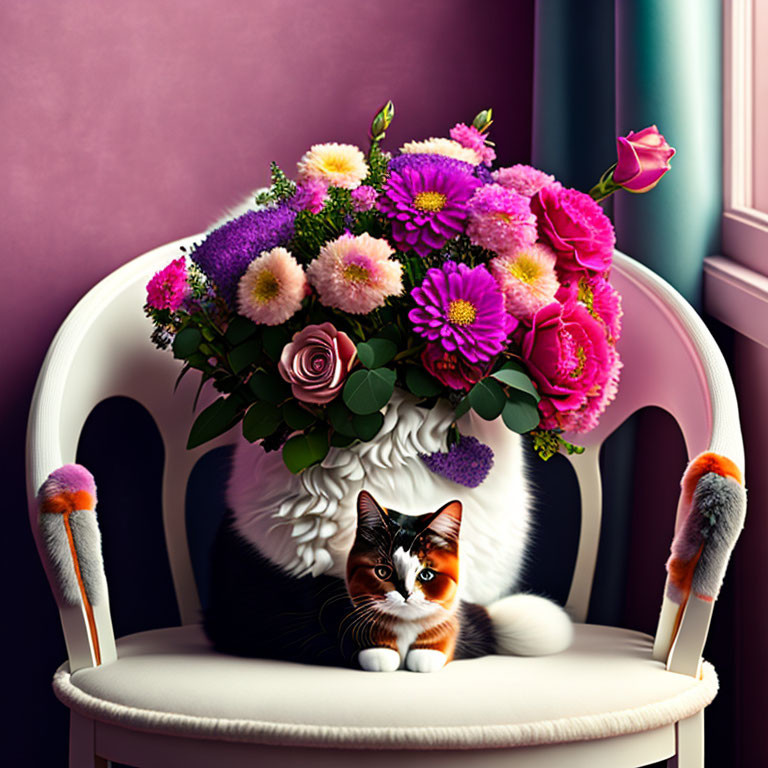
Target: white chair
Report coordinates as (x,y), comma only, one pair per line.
(163,698)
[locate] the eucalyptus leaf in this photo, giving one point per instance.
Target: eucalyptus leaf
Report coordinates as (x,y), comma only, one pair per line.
(270,388)
(186,342)
(244,355)
(274,338)
(462,407)
(368,391)
(517,380)
(391,332)
(367,427)
(302,451)
(376,352)
(213,421)
(297,417)
(520,413)
(487,398)
(341,441)
(240,329)
(341,418)
(260,420)
(420,383)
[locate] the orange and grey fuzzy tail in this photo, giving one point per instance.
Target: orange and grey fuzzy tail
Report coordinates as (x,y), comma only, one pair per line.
(71,539)
(714,501)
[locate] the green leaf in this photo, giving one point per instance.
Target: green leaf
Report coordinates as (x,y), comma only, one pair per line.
(261,420)
(341,441)
(274,339)
(367,427)
(487,398)
(391,332)
(301,451)
(421,383)
(240,329)
(244,355)
(368,391)
(213,421)
(462,407)
(520,414)
(269,387)
(376,352)
(517,380)
(186,342)
(341,418)
(297,417)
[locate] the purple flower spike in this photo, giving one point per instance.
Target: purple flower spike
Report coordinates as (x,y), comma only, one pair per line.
(467,462)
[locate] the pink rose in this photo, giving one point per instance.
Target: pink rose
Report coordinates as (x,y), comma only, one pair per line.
(576,227)
(643,158)
(569,358)
(316,363)
(451,369)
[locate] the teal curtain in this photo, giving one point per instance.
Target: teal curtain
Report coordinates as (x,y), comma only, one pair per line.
(602,69)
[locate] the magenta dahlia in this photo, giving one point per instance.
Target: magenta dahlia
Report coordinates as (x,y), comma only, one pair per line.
(462,308)
(427,204)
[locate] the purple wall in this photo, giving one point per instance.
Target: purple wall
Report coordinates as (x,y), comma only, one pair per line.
(126,125)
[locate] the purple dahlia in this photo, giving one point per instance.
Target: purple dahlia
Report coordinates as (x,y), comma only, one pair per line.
(227,251)
(427,202)
(462,308)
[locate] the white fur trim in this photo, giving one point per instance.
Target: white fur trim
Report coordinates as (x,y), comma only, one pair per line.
(528,625)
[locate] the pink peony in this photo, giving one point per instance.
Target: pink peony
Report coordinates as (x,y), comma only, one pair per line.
(527,278)
(468,136)
(643,158)
(168,288)
(523,179)
(569,357)
(451,369)
(576,227)
(316,363)
(272,288)
(356,274)
(500,219)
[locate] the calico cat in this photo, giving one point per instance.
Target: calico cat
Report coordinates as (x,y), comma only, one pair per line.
(402,577)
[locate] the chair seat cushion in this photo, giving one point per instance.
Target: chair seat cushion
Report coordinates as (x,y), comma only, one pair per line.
(170,681)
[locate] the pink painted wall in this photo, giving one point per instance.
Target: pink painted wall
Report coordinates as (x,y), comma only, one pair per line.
(126,125)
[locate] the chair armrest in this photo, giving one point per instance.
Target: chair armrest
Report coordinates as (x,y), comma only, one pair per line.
(69,542)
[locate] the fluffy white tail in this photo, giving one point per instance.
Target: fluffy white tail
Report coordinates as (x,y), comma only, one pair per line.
(528,625)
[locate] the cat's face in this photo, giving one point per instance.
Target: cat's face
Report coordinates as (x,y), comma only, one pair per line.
(404,566)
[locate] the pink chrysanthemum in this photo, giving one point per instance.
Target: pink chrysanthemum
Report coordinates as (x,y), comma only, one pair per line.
(338,165)
(500,219)
(444,147)
(356,274)
(168,288)
(272,288)
(523,179)
(310,195)
(363,198)
(527,279)
(468,136)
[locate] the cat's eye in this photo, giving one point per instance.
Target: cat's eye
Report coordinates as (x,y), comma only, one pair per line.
(426,575)
(382,572)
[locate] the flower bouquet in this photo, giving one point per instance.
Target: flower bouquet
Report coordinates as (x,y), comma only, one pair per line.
(426,271)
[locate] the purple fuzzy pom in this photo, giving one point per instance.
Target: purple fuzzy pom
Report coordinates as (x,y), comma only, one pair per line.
(467,462)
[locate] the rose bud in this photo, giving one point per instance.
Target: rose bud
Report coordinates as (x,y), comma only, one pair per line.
(643,158)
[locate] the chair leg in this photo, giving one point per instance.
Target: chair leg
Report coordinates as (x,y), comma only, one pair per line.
(82,752)
(690,742)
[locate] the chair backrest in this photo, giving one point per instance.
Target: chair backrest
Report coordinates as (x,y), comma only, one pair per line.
(103,350)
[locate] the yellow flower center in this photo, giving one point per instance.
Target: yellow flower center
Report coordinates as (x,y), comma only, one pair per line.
(525,269)
(354,273)
(586,295)
(429,201)
(461,312)
(265,287)
(581,356)
(336,164)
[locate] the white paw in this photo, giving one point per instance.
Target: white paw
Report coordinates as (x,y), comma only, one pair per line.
(379,659)
(425,660)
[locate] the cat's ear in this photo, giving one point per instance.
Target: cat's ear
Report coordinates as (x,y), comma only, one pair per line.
(369,513)
(447,520)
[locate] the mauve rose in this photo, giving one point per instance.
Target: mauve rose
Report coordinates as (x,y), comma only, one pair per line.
(643,158)
(450,369)
(576,227)
(316,363)
(567,355)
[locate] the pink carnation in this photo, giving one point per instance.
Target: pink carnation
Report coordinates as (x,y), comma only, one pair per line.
(468,136)
(523,179)
(168,288)
(310,195)
(356,274)
(574,366)
(500,219)
(600,298)
(527,278)
(576,227)
(363,198)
